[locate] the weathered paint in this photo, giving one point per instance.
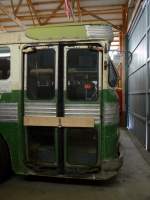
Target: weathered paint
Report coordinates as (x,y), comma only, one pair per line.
(15,139)
(109,133)
(54,33)
(13,133)
(71,32)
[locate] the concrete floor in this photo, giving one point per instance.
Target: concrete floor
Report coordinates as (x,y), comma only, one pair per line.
(132,183)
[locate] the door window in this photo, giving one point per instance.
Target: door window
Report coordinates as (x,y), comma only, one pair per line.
(82,74)
(41,74)
(82,146)
(41,145)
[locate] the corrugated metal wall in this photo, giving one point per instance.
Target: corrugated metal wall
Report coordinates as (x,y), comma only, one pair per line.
(139,75)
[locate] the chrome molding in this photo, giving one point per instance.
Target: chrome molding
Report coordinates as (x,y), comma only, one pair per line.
(83,110)
(8,112)
(40,109)
(103,31)
(111,113)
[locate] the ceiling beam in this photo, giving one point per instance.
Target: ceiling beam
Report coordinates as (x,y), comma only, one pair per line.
(62,14)
(12,17)
(12,6)
(22,5)
(40,14)
(103,11)
(43,2)
(18,7)
(2,28)
(79,10)
(54,12)
(31,15)
(64,22)
(34,11)
(100,18)
(125,18)
(104,6)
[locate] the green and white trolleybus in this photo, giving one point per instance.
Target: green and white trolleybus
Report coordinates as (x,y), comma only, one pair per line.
(58,107)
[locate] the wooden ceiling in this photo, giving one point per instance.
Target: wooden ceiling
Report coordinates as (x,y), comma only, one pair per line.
(16,15)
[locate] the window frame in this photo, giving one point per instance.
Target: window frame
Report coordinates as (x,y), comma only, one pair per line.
(110,62)
(41,47)
(99,69)
(8,78)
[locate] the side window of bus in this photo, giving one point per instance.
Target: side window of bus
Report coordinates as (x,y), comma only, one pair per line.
(82,74)
(41,74)
(112,74)
(4,63)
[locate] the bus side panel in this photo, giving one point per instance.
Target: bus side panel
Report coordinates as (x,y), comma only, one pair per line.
(109,149)
(11,130)
(11,109)
(111,157)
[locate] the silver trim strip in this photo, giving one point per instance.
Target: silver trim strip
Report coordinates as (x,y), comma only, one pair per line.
(87,110)
(8,112)
(111,113)
(40,109)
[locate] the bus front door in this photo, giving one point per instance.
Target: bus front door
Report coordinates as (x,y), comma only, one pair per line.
(40,106)
(62,107)
(82,72)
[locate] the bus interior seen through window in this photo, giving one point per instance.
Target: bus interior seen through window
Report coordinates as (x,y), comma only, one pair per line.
(82,74)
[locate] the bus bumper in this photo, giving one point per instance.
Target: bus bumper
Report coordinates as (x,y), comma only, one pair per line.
(107,171)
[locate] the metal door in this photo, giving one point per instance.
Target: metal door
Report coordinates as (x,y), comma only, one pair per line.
(40,105)
(82,85)
(62,106)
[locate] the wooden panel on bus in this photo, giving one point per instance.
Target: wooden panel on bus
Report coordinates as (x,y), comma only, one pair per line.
(77,122)
(41,121)
(59,121)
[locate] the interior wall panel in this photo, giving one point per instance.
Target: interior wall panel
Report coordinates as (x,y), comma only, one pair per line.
(139,75)
(141,25)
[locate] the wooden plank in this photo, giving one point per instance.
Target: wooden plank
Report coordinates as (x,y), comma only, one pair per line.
(59,121)
(41,121)
(82,122)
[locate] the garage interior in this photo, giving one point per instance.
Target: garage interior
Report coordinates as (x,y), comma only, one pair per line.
(130,51)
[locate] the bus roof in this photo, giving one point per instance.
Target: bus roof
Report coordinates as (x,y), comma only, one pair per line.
(58,33)
(82,31)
